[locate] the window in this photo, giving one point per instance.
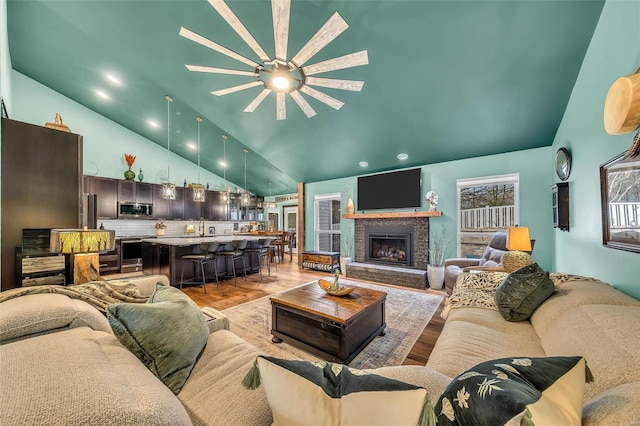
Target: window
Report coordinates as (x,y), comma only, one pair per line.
(327,222)
(485,205)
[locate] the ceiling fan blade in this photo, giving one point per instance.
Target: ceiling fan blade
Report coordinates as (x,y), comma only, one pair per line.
(280,9)
(325,35)
(257,101)
(346,61)
(231,18)
(281,106)
(322,97)
(188,34)
(236,88)
(198,68)
(353,85)
(303,104)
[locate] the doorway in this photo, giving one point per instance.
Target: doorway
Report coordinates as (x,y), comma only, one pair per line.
(290,223)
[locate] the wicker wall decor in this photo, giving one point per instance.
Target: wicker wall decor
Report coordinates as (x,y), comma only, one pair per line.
(58,124)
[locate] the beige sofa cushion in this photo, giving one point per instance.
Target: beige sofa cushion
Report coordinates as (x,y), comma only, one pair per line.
(598,333)
(214,395)
(41,313)
(585,291)
(82,377)
(616,406)
(474,335)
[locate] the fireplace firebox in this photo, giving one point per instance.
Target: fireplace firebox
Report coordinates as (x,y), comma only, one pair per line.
(389,245)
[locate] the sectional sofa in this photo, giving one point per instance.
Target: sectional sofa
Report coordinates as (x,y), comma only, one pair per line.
(61,362)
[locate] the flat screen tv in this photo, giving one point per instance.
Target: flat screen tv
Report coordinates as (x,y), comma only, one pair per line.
(393,190)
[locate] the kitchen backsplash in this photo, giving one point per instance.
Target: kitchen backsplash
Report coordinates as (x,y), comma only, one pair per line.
(127,228)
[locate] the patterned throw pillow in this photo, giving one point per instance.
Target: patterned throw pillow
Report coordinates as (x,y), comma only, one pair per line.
(525,391)
(309,393)
(522,291)
(168,333)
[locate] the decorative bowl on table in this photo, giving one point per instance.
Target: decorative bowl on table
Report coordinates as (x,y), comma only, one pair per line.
(335,290)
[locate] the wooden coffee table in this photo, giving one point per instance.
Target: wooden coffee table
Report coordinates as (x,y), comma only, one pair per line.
(331,327)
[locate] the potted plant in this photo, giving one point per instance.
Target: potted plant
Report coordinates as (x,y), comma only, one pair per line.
(160,227)
(438,244)
(346,247)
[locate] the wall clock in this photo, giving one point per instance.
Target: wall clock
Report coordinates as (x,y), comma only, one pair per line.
(563,163)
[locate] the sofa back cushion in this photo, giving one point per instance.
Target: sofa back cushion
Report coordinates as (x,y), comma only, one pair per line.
(607,336)
(572,291)
(32,314)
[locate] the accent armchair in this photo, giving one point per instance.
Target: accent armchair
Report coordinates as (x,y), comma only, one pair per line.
(492,259)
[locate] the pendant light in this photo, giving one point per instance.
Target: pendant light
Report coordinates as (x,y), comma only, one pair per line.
(246,196)
(198,190)
(224,195)
(168,189)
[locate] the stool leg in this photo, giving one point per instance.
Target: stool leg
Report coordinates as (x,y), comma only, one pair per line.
(233,268)
(215,270)
(181,273)
(244,268)
(204,281)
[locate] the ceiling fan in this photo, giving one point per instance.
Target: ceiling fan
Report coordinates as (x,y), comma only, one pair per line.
(278,74)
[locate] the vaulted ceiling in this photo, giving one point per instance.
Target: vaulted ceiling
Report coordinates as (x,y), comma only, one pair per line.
(446,79)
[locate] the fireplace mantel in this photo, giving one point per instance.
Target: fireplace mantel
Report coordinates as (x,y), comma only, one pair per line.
(390,215)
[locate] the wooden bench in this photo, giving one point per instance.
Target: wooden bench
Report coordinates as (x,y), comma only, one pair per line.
(321,260)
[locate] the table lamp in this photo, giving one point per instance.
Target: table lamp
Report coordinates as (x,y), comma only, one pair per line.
(518,239)
(84,245)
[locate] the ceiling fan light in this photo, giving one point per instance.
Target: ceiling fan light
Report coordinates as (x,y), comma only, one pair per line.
(280,83)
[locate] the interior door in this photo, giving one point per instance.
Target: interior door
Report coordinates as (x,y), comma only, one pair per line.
(291,224)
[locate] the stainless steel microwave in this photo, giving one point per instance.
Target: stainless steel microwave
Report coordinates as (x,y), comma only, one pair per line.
(133,210)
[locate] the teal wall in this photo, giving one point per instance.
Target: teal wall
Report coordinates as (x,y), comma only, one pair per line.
(614,52)
(104,141)
(533,167)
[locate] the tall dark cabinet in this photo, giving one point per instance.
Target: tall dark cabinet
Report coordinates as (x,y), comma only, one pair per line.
(41,185)
(560,205)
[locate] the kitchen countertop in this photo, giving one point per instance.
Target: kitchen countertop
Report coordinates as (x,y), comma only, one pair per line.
(195,240)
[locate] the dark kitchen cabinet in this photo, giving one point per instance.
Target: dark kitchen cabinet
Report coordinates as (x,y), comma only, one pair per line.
(192,209)
(161,206)
(107,191)
(177,205)
(156,259)
(110,260)
(134,192)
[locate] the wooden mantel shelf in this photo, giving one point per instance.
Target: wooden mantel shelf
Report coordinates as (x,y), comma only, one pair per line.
(390,215)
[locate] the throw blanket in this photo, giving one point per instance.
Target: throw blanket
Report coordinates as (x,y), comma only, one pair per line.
(97,293)
(478,290)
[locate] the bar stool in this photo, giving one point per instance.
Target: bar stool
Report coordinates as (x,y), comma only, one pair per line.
(209,255)
(237,252)
(262,251)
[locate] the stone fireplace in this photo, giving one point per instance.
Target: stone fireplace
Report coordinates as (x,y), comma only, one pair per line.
(391,248)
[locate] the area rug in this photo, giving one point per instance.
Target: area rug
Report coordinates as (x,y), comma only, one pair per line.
(407,313)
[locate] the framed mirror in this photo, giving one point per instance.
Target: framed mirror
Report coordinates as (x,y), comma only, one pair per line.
(620,199)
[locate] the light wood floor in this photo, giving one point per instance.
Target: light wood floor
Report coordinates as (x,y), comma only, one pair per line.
(288,275)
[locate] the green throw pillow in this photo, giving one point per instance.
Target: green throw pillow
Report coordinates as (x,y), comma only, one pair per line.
(522,291)
(168,333)
(309,393)
(525,391)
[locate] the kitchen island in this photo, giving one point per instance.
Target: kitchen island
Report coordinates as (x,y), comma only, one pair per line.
(164,256)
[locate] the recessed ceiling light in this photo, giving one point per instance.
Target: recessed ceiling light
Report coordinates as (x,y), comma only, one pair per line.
(153,124)
(222,164)
(363,164)
(102,94)
(192,146)
(113,79)
(402,156)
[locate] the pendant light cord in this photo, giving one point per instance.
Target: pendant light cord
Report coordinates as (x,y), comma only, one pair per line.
(169,100)
(199,120)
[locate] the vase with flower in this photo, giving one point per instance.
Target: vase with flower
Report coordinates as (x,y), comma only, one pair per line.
(129,174)
(160,227)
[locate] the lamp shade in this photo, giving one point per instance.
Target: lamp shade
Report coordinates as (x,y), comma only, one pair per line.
(518,238)
(81,240)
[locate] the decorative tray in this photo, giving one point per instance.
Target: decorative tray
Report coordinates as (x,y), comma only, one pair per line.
(341,290)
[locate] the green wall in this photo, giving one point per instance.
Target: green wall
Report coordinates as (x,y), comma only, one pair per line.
(104,141)
(614,52)
(533,166)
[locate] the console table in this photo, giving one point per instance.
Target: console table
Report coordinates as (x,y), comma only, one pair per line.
(321,260)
